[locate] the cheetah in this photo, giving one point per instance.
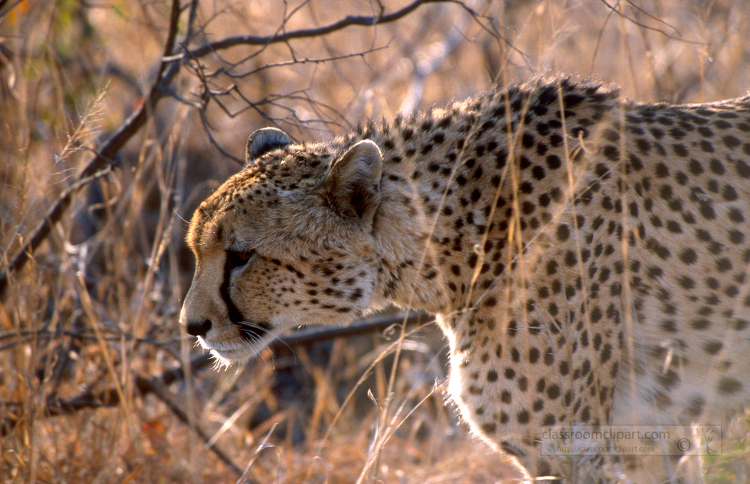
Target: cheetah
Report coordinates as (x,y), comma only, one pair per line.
(586,257)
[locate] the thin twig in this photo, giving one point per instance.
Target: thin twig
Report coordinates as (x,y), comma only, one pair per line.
(642,25)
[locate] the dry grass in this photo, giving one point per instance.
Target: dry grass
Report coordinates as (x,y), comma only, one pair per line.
(98,303)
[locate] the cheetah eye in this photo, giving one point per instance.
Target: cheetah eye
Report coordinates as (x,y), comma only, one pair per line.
(237,259)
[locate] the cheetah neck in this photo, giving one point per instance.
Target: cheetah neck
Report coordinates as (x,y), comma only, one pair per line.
(457,191)
(417,248)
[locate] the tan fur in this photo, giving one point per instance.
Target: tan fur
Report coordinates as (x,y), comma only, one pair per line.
(587,266)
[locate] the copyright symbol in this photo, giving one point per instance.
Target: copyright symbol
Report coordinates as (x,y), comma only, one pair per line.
(684,445)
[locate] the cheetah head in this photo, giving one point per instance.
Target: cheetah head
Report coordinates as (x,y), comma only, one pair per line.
(287,241)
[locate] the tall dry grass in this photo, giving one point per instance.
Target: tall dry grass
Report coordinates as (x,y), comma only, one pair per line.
(96,306)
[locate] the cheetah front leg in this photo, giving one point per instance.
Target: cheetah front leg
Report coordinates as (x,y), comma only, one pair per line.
(513,379)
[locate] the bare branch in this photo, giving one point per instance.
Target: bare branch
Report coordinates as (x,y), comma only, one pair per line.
(351,20)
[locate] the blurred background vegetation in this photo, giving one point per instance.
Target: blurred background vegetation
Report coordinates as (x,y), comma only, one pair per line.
(117,117)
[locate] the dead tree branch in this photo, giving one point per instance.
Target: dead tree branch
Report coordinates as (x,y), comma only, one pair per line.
(349,21)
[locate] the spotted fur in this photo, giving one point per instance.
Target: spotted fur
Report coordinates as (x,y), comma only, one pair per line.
(586,257)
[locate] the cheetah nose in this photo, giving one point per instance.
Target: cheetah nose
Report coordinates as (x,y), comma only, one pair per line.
(198,328)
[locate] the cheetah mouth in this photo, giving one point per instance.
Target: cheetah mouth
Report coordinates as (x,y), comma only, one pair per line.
(249,342)
(231,352)
(252,339)
(227,356)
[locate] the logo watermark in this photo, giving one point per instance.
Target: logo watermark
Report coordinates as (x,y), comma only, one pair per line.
(700,440)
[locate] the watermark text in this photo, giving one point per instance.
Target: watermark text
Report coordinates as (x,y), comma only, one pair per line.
(631,440)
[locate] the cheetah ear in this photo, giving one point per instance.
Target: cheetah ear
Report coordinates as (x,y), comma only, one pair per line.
(264,140)
(352,186)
